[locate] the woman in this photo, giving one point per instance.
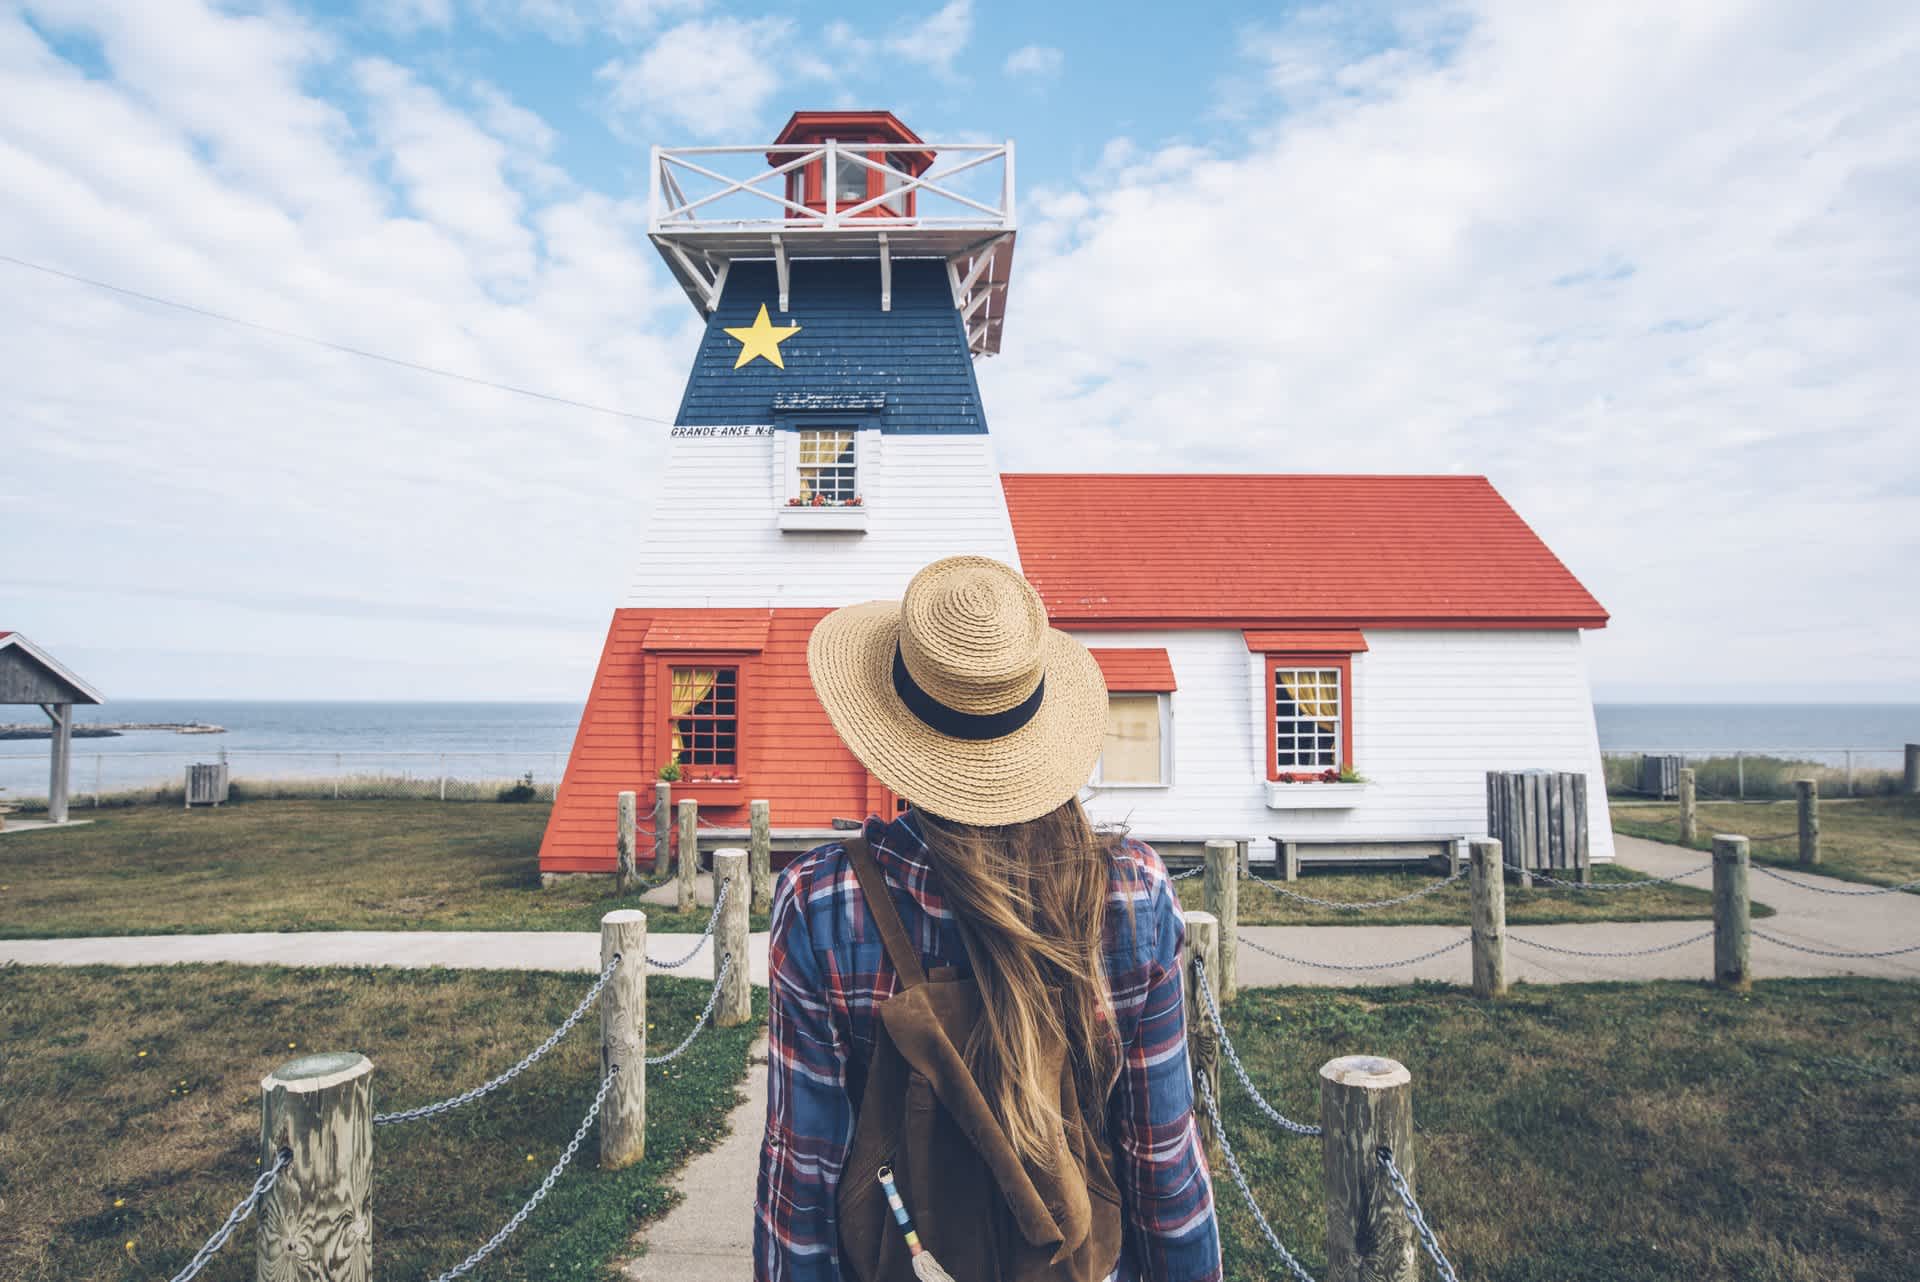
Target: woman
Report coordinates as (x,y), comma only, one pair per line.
(985,957)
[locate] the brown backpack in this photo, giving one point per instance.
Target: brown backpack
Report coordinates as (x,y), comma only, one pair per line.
(979,1210)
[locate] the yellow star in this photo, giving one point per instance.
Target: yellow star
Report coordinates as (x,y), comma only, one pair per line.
(762,338)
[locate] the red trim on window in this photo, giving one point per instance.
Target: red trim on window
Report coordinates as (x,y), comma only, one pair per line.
(1344,663)
(708,777)
(1337,642)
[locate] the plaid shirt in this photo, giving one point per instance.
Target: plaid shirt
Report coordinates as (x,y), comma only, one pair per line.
(828,971)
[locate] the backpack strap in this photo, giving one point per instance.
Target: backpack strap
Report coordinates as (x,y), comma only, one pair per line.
(893,935)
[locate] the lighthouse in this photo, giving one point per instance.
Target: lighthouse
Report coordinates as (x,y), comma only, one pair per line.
(1322,668)
(830,442)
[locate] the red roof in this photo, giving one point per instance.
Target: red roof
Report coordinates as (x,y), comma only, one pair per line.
(1135,671)
(1301,551)
(1262,641)
(710,630)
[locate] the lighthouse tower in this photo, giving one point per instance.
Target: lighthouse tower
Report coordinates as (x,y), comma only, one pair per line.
(829,443)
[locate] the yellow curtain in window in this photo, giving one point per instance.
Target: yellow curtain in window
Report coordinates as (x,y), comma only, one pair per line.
(1316,692)
(691,686)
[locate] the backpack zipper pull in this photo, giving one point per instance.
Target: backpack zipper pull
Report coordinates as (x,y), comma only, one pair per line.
(925,1267)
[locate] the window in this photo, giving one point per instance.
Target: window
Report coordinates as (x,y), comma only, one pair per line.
(849,182)
(705,721)
(1135,753)
(828,470)
(1307,718)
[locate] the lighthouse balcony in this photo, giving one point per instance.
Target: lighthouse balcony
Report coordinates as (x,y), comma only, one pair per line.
(711,206)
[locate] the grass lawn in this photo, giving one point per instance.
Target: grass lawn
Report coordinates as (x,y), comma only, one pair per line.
(1610,1133)
(1260,906)
(130,1117)
(1871,839)
(300,865)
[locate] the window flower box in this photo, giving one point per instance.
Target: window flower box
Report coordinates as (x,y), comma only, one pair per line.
(1313,794)
(850,517)
(712,792)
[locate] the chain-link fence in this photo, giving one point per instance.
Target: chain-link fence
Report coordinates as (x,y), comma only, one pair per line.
(115,778)
(1758,774)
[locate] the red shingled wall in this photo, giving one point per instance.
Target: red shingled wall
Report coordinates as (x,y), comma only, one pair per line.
(791,757)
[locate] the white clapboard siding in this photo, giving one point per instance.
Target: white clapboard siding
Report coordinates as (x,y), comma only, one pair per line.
(1433,712)
(713,537)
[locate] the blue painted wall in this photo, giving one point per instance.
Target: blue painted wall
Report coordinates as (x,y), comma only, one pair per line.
(915,355)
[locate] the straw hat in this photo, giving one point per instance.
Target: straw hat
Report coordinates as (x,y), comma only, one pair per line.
(960,697)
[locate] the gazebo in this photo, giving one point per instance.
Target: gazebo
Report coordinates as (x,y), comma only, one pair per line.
(29,674)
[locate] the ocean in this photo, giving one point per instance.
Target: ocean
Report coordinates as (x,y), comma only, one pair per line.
(486,741)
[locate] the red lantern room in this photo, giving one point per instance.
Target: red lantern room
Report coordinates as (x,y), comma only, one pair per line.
(897,150)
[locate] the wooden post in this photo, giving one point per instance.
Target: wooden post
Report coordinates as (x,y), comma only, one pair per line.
(317,1220)
(1289,860)
(1488,881)
(1730,942)
(1807,791)
(623,1038)
(1689,816)
(1203,1045)
(628,819)
(689,858)
(730,936)
(662,828)
(760,854)
(61,760)
(1221,891)
(1366,1104)
(1911,780)
(1245,851)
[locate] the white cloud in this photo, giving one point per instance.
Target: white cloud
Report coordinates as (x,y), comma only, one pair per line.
(1648,267)
(936,40)
(409,15)
(1038,61)
(203,168)
(710,78)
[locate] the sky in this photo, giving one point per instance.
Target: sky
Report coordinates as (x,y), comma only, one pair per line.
(1650,267)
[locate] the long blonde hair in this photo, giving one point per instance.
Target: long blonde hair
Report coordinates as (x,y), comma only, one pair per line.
(1031,902)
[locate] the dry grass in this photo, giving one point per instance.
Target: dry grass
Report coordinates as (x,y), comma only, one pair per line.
(1872,839)
(1262,906)
(298,865)
(1611,1133)
(130,1115)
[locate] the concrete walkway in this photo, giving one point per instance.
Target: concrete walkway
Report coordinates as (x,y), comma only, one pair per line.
(708,1237)
(1850,923)
(1846,923)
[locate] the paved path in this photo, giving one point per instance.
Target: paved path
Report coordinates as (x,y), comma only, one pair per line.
(709,1236)
(1860,923)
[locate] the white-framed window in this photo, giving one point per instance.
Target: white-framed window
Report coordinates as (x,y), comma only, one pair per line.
(1307,718)
(827,466)
(1138,749)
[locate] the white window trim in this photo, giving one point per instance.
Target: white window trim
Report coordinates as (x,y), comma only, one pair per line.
(1166,748)
(1340,694)
(866,455)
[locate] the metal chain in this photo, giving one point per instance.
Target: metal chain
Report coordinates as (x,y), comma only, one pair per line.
(1257,947)
(1233,1164)
(239,1213)
(533,1057)
(473,1261)
(1608,885)
(1828,890)
(713,998)
(1194,871)
(1416,1218)
(1274,1115)
(1628,952)
(713,919)
(1828,952)
(1352,905)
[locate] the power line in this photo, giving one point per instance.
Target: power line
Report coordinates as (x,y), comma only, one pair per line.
(332,346)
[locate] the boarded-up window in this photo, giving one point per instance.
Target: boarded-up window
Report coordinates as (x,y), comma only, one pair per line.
(1134,751)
